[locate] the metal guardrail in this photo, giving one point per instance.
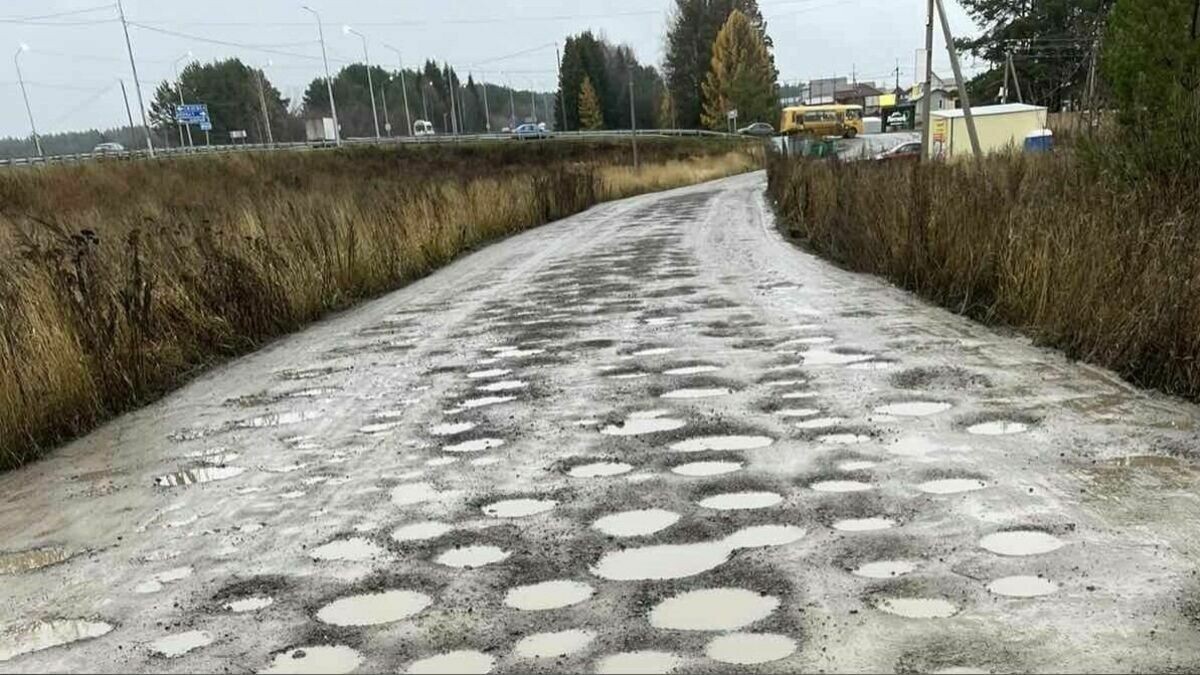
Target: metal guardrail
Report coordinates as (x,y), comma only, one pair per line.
(327,145)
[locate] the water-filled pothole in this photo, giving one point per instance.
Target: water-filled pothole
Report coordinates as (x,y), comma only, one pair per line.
(460,662)
(33,559)
(469,557)
(692,370)
(1021,543)
(820,423)
(735,501)
(698,392)
(408,494)
(548,595)
(474,445)
(600,470)
(553,645)
(700,469)
(843,439)
(47,634)
(203,474)
(713,609)
(518,508)
(676,561)
(856,465)
(646,423)
(864,524)
(251,604)
(1022,587)
(636,523)
(703,443)
(841,486)
(997,428)
(354,549)
(480,402)
(374,608)
(918,608)
(179,644)
(914,408)
(451,428)
(885,569)
(503,385)
(333,659)
(643,662)
(949,486)
(750,648)
(488,374)
(422,531)
(789,413)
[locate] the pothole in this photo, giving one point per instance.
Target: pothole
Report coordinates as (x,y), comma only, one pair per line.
(750,648)
(179,644)
(885,569)
(333,659)
(354,549)
(653,351)
(843,439)
(647,423)
(548,595)
(461,662)
(155,583)
(600,470)
(637,663)
(856,465)
(703,443)
(408,494)
(554,645)
(949,486)
(698,392)
(713,609)
(469,557)
(1021,543)
(1022,587)
(33,559)
(451,428)
(735,501)
(692,370)
(374,608)
(518,508)
(824,357)
(422,531)
(918,608)
(914,408)
(488,374)
(203,474)
(251,604)
(676,561)
(998,428)
(503,385)
(700,469)
(480,402)
(474,445)
(636,523)
(48,634)
(758,536)
(797,412)
(841,486)
(820,423)
(864,524)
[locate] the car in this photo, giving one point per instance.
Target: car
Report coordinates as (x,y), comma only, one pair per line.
(758,129)
(108,149)
(423,128)
(910,151)
(897,120)
(530,131)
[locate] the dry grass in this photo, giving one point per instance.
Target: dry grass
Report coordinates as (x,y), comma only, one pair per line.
(1107,270)
(119,281)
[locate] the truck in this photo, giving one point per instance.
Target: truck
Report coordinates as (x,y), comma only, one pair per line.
(320,131)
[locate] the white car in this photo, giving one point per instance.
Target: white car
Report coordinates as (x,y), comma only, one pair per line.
(897,120)
(423,128)
(108,149)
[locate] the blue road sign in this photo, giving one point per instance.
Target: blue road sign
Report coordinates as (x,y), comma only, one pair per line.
(191,113)
(206,126)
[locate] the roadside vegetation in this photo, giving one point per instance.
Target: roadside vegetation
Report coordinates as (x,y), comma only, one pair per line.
(119,281)
(1093,249)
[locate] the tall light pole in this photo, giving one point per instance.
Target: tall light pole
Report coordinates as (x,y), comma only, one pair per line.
(137,84)
(512,104)
(450,86)
(337,131)
(927,96)
(37,142)
(262,99)
(403,88)
(424,104)
(370,82)
(179,90)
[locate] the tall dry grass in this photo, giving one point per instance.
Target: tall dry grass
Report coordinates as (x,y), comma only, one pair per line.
(118,281)
(1107,270)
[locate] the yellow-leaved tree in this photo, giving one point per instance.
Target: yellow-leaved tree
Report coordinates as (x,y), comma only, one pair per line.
(590,116)
(741,76)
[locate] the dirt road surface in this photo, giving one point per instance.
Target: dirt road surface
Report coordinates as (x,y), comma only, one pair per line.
(653,436)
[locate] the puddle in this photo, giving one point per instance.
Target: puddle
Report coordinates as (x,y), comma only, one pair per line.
(34,559)
(885,569)
(998,428)
(463,662)
(636,523)
(666,561)
(1021,543)
(413,493)
(600,470)
(918,608)
(440,461)
(276,420)
(698,392)
(180,643)
(660,320)
(334,659)
(47,634)
(856,466)
(379,427)
(695,469)
(949,486)
(750,648)
(637,663)
(692,370)
(716,609)
(198,475)
(914,408)
(843,439)
(820,423)
(423,531)
(759,536)
(155,583)
(503,385)
(468,557)
(451,428)
(702,443)
(797,395)
(249,604)
(841,486)
(519,508)
(355,549)
(735,501)
(864,524)
(798,412)
(472,403)
(1022,587)
(638,424)
(548,595)
(488,374)
(873,364)
(485,461)
(824,357)
(635,375)
(553,645)
(475,445)
(373,608)
(654,351)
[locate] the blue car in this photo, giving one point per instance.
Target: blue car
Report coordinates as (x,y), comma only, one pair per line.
(530,131)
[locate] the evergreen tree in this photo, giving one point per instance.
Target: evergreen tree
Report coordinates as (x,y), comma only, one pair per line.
(230,89)
(741,76)
(590,117)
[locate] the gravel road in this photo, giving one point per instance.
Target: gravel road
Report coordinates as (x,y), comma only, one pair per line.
(653,436)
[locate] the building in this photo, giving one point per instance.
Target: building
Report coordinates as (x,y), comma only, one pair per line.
(944,96)
(1000,128)
(857,94)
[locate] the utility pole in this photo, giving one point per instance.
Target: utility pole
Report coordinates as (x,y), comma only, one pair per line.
(962,85)
(633,122)
(179,89)
(1091,86)
(927,94)
(403,88)
(450,85)
(562,104)
(1012,65)
(897,74)
(137,85)
(347,30)
(532,105)
(512,108)
(337,129)
(487,114)
(1004,91)
(262,99)
(128,110)
(37,142)
(424,104)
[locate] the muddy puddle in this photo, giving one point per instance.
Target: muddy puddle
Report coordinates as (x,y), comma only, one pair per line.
(548,595)
(918,608)
(713,609)
(636,523)
(998,428)
(820,423)
(737,501)
(864,524)
(914,408)
(885,569)
(354,549)
(470,557)
(600,470)
(841,486)
(692,370)
(951,486)
(503,385)
(422,531)
(474,445)
(649,422)
(48,634)
(451,428)
(198,475)
(677,561)
(1022,587)
(745,649)
(638,663)
(461,662)
(703,469)
(276,420)
(179,644)
(251,604)
(1019,543)
(374,608)
(703,443)
(333,659)
(408,494)
(553,645)
(34,559)
(518,508)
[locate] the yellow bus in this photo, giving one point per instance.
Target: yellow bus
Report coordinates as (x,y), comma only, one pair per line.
(823,120)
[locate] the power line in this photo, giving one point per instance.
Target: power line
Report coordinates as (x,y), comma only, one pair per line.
(266,49)
(42,19)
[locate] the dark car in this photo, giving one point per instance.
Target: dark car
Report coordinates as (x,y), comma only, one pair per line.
(758,129)
(904,151)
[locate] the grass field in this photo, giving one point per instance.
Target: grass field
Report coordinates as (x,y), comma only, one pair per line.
(119,281)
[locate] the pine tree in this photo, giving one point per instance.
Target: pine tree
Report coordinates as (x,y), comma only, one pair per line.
(741,76)
(590,117)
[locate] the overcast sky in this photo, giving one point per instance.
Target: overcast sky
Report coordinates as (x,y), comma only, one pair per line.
(75,60)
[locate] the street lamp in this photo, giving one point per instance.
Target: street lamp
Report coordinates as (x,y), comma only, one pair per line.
(262,99)
(424,104)
(337,132)
(347,30)
(179,90)
(403,88)
(37,142)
